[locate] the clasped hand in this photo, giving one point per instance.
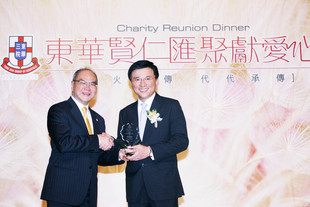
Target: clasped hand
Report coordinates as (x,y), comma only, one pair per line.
(135,153)
(106,142)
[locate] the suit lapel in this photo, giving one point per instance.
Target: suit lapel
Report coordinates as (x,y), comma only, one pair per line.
(133,112)
(95,122)
(155,103)
(77,115)
(148,125)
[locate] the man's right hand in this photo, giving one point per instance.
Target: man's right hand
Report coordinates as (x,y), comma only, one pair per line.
(105,141)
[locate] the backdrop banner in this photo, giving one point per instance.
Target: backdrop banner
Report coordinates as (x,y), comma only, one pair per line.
(239,68)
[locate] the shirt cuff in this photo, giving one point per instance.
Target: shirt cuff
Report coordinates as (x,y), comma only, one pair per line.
(151,154)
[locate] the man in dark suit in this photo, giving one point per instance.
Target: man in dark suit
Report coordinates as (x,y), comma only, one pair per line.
(152,177)
(79,143)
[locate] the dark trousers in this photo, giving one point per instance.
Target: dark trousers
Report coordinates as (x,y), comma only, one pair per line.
(86,203)
(165,203)
(146,201)
(57,204)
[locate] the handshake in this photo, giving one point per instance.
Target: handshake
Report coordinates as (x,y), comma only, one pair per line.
(106,141)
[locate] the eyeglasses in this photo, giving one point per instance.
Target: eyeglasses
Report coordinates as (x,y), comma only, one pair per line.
(85,83)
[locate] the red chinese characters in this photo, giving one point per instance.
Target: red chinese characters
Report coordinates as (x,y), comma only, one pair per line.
(187,50)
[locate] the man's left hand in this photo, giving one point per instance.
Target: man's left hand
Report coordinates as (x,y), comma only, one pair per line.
(139,152)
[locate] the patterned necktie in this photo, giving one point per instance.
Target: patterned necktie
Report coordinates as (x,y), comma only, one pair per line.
(143,117)
(86,120)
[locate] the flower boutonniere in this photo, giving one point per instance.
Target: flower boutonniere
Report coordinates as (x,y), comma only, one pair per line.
(153,116)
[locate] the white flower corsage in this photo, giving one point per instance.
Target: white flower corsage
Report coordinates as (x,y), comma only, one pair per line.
(153,116)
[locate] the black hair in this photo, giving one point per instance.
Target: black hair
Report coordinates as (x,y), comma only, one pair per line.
(143,64)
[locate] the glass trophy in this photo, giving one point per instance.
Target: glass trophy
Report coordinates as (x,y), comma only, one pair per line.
(129,135)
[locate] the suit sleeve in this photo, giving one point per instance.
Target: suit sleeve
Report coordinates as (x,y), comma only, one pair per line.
(110,157)
(66,134)
(177,140)
(120,124)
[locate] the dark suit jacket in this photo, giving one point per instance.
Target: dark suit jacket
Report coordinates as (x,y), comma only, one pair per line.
(160,176)
(72,167)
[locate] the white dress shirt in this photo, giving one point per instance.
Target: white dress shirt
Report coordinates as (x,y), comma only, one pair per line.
(148,102)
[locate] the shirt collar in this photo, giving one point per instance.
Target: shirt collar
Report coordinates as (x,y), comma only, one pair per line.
(80,106)
(149,101)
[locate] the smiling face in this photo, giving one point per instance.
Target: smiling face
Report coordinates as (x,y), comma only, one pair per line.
(144,83)
(84,93)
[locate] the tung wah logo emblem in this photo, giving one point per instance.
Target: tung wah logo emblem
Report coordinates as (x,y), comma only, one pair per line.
(20,60)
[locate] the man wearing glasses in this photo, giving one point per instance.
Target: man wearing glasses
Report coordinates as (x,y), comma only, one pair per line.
(79,143)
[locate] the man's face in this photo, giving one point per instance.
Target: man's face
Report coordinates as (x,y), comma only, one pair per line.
(143,83)
(83,91)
